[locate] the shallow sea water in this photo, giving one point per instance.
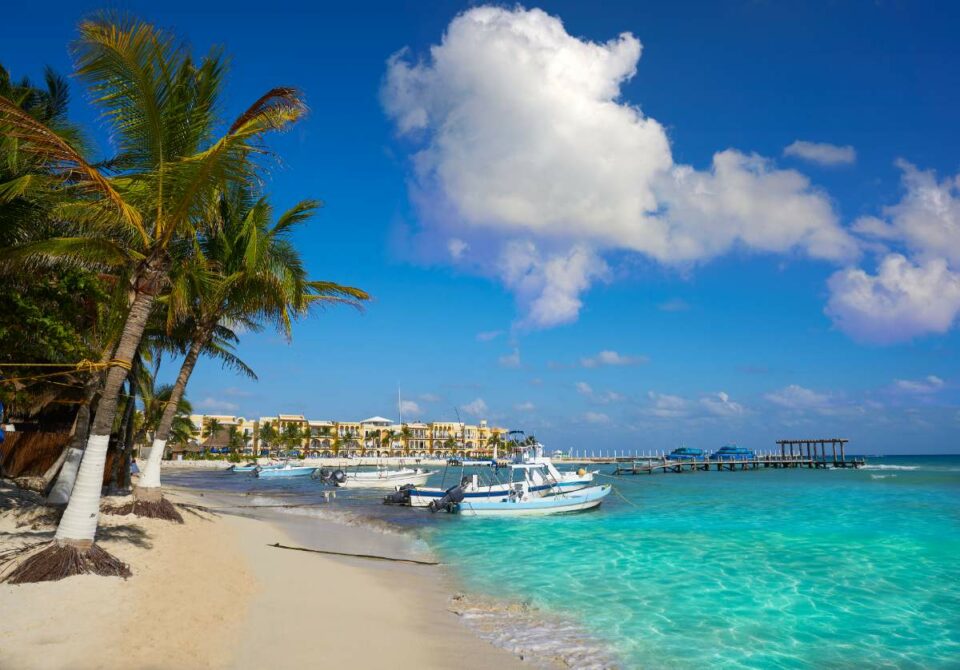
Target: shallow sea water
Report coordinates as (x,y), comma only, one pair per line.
(762,569)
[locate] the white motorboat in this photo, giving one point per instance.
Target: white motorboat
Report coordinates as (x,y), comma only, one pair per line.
(521,502)
(543,479)
(384,479)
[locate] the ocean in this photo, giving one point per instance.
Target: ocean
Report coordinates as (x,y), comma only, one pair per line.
(757,569)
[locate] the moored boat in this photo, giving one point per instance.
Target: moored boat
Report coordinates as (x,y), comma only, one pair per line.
(687,454)
(732,452)
(520,502)
(286,470)
(384,479)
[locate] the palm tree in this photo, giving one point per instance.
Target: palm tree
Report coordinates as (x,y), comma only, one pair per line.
(161,106)
(268,435)
(251,273)
(405,434)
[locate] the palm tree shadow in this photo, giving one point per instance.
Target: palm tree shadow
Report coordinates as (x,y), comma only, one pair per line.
(127,533)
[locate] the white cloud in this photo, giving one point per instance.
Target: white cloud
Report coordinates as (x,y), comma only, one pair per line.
(929,384)
(901,302)
(456,247)
(604,397)
(410,407)
(216,404)
(611,358)
(666,406)
(548,287)
(798,398)
(720,404)
(237,392)
(596,417)
(524,406)
(476,407)
(527,153)
(674,305)
(927,218)
(429,397)
(488,335)
(822,153)
(510,360)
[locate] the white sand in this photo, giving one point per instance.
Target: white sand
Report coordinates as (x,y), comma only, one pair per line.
(212,594)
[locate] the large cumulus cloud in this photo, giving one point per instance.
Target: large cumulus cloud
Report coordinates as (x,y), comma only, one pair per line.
(525,155)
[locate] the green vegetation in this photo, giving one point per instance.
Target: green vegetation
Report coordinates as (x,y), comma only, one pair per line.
(109,262)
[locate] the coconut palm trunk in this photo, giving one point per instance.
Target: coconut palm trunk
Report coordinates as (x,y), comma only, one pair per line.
(74,549)
(148,493)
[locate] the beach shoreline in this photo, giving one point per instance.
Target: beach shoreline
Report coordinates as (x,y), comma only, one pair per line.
(213,593)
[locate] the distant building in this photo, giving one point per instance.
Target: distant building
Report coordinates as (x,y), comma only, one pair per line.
(374,436)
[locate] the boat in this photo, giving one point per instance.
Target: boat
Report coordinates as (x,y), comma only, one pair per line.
(251,467)
(544,479)
(286,470)
(383,478)
(732,452)
(687,454)
(521,502)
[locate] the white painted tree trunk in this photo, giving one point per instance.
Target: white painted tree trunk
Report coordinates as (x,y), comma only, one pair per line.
(60,493)
(150,477)
(79,522)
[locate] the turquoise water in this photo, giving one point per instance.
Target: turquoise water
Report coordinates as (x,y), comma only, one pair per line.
(766,569)
(762,569)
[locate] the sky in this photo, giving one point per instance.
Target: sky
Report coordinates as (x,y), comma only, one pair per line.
(616,225)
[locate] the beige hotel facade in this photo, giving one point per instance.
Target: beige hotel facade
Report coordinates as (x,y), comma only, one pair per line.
(375,436)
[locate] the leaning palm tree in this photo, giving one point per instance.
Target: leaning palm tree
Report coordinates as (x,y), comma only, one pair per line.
(161,106)
(250,273)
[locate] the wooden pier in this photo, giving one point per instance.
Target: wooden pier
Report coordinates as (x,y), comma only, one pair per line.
(809,454)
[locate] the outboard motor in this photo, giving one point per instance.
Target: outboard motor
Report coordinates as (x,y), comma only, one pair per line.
(450,499)
(323,474)
(338,476)
(399,497)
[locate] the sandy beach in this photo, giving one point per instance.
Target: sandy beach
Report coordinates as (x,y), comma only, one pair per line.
(212,593)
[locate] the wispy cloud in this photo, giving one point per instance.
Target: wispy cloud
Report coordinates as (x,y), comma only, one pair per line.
(511,360)
(216,404)
(927,385)
(487,335)
(795,397)
(410,407)
(475,407)
(429,397)
(525,406)
(611,358)
(596,417)
(236,392)
(822,153)
(674,305)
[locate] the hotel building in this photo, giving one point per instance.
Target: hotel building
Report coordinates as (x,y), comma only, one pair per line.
(376,436)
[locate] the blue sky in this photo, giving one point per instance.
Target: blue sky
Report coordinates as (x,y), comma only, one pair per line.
(496,293)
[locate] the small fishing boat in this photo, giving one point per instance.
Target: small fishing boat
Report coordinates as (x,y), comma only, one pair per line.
(286,470)
(521,502)
(251,467)
(383,478)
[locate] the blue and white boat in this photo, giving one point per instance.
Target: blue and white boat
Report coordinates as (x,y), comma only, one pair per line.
(543,478)
(687,454)
(286,470)
(732,452)
(521,502)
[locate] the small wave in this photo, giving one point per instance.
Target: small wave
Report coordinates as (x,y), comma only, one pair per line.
(891,467)
(543,640)
(881,476)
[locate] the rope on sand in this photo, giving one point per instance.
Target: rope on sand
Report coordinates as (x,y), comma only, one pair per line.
(277,545)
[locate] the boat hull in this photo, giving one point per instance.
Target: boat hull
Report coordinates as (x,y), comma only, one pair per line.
(288,472)
(386,481)
(562,503)
(422,497)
